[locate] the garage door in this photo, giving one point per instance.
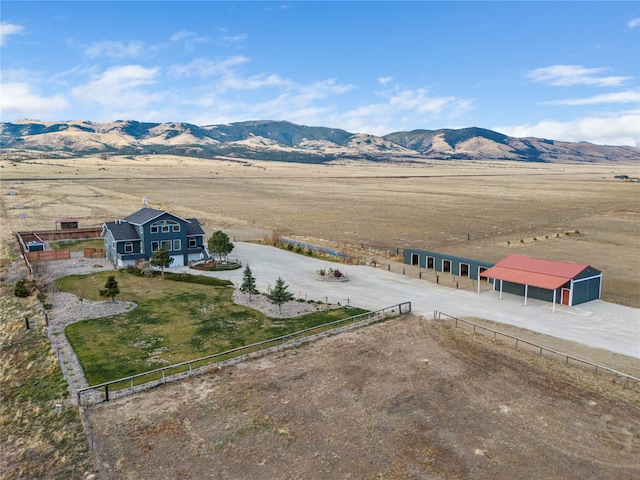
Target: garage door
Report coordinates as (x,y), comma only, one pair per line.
(178,261)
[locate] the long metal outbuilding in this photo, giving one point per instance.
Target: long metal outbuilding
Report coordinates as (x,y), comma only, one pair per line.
(442,262)
(550,280)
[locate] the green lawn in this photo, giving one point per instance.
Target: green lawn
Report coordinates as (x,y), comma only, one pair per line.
(175,321)
(78,245)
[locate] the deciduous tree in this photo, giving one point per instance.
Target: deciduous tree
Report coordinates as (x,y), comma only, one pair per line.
(162,259)
(219,244)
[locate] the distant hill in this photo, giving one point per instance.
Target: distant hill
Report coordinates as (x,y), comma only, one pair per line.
(288,142)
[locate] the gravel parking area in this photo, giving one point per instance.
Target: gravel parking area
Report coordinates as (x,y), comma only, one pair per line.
(596,324)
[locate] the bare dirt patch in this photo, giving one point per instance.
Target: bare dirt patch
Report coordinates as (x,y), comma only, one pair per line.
(403,399)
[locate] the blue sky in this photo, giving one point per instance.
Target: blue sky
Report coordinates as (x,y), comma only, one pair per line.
(558,70)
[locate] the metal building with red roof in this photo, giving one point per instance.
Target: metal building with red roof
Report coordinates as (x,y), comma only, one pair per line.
(550,280)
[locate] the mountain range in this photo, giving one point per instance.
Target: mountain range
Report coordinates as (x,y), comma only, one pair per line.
(285,141)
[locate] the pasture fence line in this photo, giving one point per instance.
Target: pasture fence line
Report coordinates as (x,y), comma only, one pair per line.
(106,391)
(596,367)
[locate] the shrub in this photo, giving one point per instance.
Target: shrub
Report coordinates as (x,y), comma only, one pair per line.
(21,289)
(199,279)
(289,246)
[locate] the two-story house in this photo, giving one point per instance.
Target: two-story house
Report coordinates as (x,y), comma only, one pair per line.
(144,232)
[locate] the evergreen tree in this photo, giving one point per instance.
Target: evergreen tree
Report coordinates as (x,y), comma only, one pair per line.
(219,244)
(111,288)
(162,259)
(248,283)
(280,295)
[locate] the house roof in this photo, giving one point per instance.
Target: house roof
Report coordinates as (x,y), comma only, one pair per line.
(193,227)
(122,231)
(143,216)
(537,272)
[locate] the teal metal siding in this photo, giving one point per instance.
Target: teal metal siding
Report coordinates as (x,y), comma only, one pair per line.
(439,261)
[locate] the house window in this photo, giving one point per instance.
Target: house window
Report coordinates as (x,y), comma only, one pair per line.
(192,242)
(155,246)
(165,226)
(177,244)
(166,245)
(128,247)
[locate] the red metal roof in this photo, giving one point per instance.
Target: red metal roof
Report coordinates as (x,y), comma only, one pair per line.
(537,272)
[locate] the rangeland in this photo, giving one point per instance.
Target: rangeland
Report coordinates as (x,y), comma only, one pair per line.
(423,403)
(575,213)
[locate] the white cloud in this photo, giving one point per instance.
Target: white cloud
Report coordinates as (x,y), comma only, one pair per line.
(203,67)
(384,80)
(605,129)
(571,75)
(628,96)
(405,109)
(118,50)
(119,91)
(181,35)
(635,23)
(7,29)
(283,100)
(18,100)
(234,38)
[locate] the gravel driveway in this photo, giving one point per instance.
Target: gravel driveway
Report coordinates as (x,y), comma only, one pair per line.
(597,323)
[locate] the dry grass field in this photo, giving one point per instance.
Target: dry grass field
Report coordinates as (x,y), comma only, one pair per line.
(403,399)
(482,210)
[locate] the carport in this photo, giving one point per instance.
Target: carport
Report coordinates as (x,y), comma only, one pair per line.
(545,279)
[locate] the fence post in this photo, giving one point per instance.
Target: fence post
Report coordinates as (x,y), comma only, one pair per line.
(106,392)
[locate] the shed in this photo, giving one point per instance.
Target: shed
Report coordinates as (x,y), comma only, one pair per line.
(545,280)
(67,223)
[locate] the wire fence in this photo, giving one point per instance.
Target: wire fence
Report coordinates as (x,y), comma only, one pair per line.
(628,381)
(160,376)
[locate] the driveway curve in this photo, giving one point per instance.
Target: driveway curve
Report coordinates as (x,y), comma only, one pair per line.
(597,323)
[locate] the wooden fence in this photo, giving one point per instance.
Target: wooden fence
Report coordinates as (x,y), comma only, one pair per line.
(94,253)
(623,378)
(45,255)
(66,234)
(160,376)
